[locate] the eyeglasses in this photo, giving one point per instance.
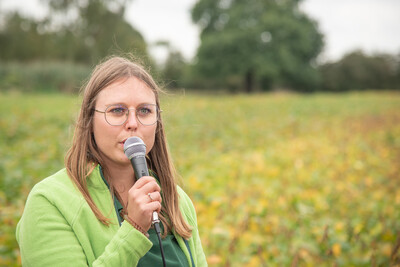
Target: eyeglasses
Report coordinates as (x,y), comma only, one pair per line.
(147,114)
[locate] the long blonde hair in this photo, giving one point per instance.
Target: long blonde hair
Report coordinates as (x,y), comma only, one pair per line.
(84,150)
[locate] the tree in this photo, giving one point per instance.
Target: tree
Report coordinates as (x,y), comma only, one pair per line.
(74,30)
(358,71)
(98,27)
(257,43)
(16,33)
(174,68)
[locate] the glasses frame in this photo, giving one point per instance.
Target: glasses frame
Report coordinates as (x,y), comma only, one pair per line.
(158,111)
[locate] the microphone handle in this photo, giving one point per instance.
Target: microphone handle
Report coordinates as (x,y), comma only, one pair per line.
(140,167)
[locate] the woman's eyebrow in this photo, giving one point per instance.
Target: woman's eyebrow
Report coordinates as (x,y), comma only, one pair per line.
(124,104)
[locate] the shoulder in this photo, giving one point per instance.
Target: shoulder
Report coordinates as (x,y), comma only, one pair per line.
(183,197)
(186,206)
(56,191)
(57,185)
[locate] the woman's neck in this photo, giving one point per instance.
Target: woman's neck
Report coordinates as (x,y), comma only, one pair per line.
(121,179)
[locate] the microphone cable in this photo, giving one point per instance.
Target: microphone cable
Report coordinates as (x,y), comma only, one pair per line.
(156,224)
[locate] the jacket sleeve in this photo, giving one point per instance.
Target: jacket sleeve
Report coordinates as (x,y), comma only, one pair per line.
(47,239)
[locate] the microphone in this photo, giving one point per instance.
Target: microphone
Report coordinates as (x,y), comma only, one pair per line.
(135,150)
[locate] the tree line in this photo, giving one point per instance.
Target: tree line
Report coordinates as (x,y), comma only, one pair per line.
(246,46)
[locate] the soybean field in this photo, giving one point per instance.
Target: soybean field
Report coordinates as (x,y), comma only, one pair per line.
(277,179)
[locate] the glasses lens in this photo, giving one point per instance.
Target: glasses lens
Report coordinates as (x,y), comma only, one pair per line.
(147,114)
(116,114)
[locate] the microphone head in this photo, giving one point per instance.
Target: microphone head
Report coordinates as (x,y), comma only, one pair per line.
(134,147)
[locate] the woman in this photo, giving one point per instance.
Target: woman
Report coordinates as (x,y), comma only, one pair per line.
(95,212)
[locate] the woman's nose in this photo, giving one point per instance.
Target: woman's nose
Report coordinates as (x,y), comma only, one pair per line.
(131,121)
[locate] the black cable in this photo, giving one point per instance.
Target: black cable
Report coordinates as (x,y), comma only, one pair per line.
(156,222)
(158,231)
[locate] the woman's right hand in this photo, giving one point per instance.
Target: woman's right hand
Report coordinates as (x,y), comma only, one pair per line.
(143,198)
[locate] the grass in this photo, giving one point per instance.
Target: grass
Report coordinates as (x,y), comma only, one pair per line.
(277,179)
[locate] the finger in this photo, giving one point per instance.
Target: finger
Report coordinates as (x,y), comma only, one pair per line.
(154,206)
(154,196)
(143,181)
(150,187)
(140,196)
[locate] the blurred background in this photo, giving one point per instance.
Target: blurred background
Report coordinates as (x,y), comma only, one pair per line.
(303,46)
(283,116)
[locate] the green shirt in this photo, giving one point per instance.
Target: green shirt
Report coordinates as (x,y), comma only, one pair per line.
(174,255)
(58,227)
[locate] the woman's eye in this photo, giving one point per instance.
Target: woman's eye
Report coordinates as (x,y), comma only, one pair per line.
(117,111)
(144,111)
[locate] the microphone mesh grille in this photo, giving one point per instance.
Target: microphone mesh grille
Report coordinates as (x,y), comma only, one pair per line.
(134,145)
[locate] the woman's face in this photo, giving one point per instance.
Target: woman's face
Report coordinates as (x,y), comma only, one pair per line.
(132,93)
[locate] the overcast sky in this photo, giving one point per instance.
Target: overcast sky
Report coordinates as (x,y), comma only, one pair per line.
(370,25)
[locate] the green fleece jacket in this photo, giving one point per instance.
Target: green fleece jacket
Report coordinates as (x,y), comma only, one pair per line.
(58,228)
